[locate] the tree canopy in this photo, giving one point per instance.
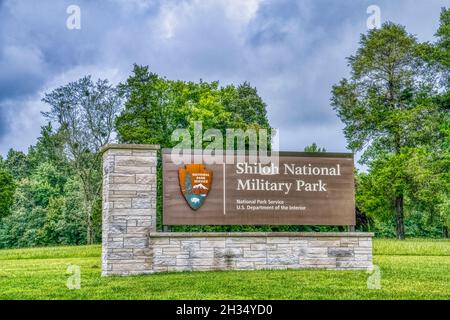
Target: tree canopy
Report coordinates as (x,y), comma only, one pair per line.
(392,109)
(156,106)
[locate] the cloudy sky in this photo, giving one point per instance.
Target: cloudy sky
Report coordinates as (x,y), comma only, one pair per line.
(293,51)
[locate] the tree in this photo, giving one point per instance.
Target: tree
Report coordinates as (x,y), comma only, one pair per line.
(50,147)
(85,112)
(47,210)
(387,104)
(442,46)
(17,164)
(7,189)
(438,55)
(314,148)
(244,104)
(443,57)
(156,106)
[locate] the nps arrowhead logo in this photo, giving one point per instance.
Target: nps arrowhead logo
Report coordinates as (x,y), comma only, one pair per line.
(195,183)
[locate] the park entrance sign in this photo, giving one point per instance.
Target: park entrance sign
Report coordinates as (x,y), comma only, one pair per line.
(295,188)
(299,189)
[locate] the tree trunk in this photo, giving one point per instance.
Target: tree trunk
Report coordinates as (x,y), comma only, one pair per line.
(88,208)
(400,226)
(90,239)
(445,231)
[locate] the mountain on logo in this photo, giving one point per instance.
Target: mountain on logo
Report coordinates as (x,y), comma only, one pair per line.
(195,183)
(200,186)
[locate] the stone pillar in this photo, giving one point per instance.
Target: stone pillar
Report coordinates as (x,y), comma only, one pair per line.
(129,208)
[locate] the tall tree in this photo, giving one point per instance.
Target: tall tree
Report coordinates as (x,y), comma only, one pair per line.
(50,147)
(387,103)
(443,57)
(156,106)
(443,36)
(7,189)
(17,164)
(85,112)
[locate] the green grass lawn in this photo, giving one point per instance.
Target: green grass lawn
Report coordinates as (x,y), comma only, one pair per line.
(412,269)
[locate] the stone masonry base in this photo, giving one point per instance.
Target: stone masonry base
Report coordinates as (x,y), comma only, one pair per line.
(168,252)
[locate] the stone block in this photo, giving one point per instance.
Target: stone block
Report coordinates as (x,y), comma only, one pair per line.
(317,262)
(137,230)
(129,187)
(145,178)
(147,252)
(114,244)
(201,254)
(125,194)
(142,203)
(278,240)
(122,203)
(116,228)
(229,253)
(172,250)
(132,223)
(256,246)
(134,212)
(134,161)
(135,243)
(121,255)
(245,265)
(131,170)
(254,254)
(349,241)
(123,178)
(165,261)
(133,266)
(324,243)
(365,243)
(118,152)
(212,243)
(144,153)
(340,252)
(282,260)
(146,223)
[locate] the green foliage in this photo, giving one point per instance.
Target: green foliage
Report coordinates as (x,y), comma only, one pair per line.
(48,200)
(443,35)
(47,210)
(415,173)
(50,147)
(387,105)
(85,112)
(393,110)
(395,107)
(155,107)
(7,189)
(314,148)
(17,163)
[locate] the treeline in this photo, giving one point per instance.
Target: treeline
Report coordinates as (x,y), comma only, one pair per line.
(52,193)
(395,107)
(42,197)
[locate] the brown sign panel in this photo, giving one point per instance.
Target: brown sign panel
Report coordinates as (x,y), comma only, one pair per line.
(301,189)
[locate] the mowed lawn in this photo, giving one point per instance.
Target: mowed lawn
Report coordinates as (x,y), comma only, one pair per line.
(412,269)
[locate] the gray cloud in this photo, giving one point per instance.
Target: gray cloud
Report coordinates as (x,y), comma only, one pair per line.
(292,51)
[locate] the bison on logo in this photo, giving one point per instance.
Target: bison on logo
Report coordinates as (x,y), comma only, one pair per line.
(195,183)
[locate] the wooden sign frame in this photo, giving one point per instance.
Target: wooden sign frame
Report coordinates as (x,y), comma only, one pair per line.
(327,198)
